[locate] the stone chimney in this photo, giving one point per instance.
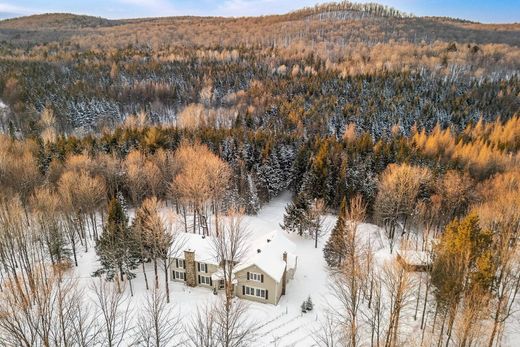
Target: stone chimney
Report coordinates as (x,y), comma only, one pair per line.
(284,276)
(191,273)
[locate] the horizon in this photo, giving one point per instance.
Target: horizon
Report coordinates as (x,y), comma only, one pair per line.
(478,10)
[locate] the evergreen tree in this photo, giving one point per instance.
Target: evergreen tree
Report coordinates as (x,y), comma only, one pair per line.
(297,217)
(252,201)
(57,244)
(122,202)
(334,250)
(304,307)
(117,249)
(309,305)
(462,261)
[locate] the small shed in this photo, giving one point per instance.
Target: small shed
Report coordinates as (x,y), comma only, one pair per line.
(414,261)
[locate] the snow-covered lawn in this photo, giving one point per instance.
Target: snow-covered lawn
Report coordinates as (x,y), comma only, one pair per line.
(281,325)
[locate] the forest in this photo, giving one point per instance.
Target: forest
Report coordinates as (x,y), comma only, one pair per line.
(361,112)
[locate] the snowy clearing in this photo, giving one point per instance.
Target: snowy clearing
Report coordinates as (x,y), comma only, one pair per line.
(284,324)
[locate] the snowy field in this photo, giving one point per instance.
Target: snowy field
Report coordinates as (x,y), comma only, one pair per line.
(284,324)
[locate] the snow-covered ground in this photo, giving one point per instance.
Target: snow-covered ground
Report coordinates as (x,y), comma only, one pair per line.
(281,325)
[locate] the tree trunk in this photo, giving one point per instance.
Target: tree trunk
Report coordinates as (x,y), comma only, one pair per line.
(495,324)
(145,277)
(185,219)
(441,333)
(216,219)
(73,241)
(418,299)
(194,220)
(166,283)
(425,302)
(156,272)
(451,321)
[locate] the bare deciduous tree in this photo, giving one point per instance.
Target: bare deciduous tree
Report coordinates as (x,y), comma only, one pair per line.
(157,325)
(113,313)
(201,177)
(399,190)
(220,324)
(328,332)
(230,247)
(49,313)
(398,284)
(349,281)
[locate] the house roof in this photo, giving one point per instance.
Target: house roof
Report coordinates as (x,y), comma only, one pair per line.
(265,252)
(219,275)
(201,245)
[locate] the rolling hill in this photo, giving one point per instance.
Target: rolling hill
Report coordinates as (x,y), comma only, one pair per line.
(338,24)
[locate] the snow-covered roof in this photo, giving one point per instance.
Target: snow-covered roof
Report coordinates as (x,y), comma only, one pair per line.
(415,258)
(267,253)
(219,275)
(201,245)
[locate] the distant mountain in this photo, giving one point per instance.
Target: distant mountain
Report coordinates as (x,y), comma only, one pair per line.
(336,23)
(59,21)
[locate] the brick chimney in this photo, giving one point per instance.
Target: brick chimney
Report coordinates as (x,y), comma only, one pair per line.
(284,276)
(191,274)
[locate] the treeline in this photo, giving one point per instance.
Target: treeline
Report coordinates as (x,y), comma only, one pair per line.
(347,6)
(93,90)
(136,159)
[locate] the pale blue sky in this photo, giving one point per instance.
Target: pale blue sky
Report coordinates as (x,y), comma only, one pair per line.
(488,11)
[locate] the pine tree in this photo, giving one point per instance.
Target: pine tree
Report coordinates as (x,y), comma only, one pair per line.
(297,215)
(122,202)
(252,202)
(334,249)
(117,249)
(309,305)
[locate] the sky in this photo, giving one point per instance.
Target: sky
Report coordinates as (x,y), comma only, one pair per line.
(486,11)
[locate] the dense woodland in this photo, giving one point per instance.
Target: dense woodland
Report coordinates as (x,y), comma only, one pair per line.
(360,111)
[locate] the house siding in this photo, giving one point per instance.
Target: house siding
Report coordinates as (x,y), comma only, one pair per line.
(273,288)
(212,268)
(269,284)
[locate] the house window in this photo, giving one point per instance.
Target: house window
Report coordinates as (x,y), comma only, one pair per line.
(205,280)
(221,284)
(253,276)
(181,264)
(202,267)
(256,292)
(178,275)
